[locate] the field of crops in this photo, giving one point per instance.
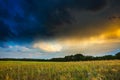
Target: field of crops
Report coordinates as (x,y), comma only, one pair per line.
(87,70)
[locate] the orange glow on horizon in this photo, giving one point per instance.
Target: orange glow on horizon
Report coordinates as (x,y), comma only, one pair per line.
(106,37)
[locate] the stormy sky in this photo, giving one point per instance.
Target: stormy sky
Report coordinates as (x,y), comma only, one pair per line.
(55,28)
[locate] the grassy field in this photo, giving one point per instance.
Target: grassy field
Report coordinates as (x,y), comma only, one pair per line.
(87,70)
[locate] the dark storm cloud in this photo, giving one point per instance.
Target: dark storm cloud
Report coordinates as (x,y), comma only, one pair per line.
(5,32)
(25,20)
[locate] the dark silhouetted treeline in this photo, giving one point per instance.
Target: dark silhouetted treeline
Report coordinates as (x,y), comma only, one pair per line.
(76,57)
(80,57)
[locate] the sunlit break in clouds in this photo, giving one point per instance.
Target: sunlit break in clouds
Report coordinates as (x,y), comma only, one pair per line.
(48,46)
(56,28)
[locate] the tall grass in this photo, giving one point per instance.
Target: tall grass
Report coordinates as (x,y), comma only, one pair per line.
(87,70)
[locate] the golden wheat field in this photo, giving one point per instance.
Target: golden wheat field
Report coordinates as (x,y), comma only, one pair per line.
(87,70)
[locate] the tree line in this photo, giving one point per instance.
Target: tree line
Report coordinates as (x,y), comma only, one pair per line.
(76,57)
(81,57)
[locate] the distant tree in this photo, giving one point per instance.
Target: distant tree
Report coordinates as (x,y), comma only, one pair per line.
(89,58)
(76,57)
(79,57)
(107,57)
(117,55)
(69,58)
(57,59)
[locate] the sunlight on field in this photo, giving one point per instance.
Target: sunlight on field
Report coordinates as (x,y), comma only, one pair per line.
(87,70)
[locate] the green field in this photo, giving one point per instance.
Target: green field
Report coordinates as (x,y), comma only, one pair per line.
(87,70)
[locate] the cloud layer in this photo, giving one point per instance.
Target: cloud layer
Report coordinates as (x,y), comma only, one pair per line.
(54,26)
(30,19)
